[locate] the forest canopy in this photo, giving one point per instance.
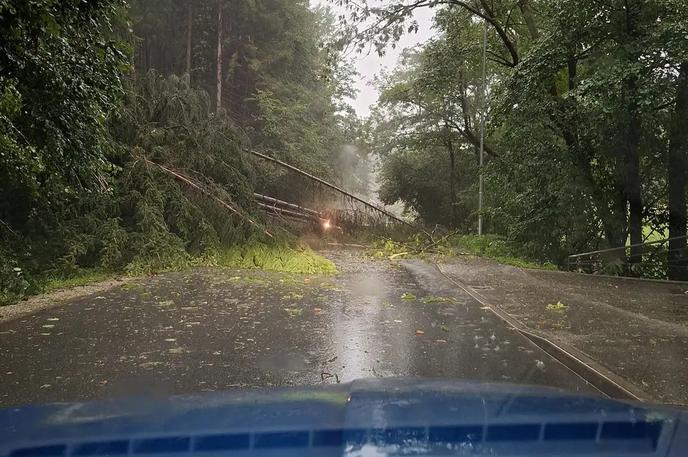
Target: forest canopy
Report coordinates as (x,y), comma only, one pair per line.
(126,128)
(586,121)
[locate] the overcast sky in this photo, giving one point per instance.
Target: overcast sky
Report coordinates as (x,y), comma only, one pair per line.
(370,65)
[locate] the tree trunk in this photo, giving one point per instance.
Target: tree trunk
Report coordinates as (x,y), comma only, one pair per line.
(677,173)
(632,171)
(189,27)
(218,102)
(148,54)
(452,180)
(631,138)
(527,14)
(615,227)
(572,70)
(610,206)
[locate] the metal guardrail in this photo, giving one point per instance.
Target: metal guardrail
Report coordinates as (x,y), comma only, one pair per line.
(651,258)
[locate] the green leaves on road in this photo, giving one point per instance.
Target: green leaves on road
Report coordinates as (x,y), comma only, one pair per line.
(558,306)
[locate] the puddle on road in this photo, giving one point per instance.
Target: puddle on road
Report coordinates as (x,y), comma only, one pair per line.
(216,329)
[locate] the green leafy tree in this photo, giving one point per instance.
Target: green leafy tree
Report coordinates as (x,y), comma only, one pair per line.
(278,84)
(585,101)
(60,76)
(61,65)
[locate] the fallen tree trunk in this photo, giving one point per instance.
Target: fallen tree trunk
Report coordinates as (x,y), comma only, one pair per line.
(286,212)
(282,203)
(333,187)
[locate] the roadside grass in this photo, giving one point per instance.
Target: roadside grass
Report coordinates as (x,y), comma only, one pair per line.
(492,247)
(498,249)
(21,289)
(282,257)
(80,278)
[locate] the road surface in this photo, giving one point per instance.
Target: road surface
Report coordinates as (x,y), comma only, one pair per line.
(216,329)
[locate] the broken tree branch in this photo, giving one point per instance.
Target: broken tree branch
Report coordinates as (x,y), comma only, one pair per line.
(282,203)
(333,187)
(191,183)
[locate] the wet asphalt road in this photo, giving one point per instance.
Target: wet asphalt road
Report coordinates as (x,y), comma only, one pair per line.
(217,329)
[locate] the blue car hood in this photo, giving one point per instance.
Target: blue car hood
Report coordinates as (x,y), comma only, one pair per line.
(365,417)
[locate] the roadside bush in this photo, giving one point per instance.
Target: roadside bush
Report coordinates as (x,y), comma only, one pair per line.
(13,283)
(500,249)
(174,170)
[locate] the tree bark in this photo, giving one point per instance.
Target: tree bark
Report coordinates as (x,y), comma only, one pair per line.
(189,30)
(632,184)
(148,54)
(677,173)
(631,136)
(218,102)
(527,14)
(572,67)
(452,178)
(616,225)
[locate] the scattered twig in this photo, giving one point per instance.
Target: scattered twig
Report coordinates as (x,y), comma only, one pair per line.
(8,227)
(435,243)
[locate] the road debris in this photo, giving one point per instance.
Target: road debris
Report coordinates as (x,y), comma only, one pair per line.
(558,306)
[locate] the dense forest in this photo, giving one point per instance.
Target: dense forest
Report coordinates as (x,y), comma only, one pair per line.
(585,105)
(126,126)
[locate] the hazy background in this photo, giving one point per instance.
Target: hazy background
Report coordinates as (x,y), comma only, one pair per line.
(370,65)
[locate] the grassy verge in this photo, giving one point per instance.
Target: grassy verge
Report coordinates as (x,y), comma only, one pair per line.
(81,278)
(496,248)
(20,289)
(275,256)
(488,246)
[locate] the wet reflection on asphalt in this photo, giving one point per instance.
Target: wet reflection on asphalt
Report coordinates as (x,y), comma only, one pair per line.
(217,329)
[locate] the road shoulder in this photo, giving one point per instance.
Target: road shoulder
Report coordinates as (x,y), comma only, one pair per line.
(58,297)
(635,334)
